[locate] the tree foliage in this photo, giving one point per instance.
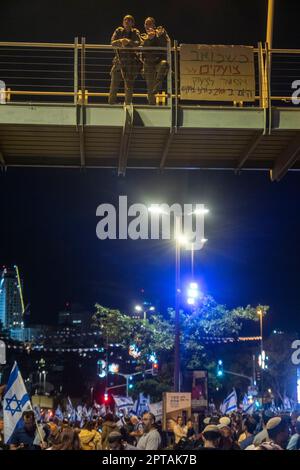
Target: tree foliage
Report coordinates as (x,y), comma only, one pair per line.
(281,373)
(156,334)
(212,320)
(148,336)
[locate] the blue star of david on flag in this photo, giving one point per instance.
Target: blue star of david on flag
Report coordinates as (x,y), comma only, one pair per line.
(15,409)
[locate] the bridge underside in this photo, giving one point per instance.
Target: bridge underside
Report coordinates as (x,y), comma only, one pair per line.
(150,137)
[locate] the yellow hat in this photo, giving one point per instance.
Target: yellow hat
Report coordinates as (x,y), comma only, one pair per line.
(273,422)
(225,421)
(211,428)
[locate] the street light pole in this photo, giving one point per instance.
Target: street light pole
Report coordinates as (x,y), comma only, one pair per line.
(177,302)
(260,313)
(261,331)
(179,237)
(192,260)
(44,374)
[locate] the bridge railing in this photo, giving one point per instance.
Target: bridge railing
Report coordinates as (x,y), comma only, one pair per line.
(284,72)
(35,72)
(79,73)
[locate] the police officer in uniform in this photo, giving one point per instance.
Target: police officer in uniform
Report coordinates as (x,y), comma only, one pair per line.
(155,65)
(126,64)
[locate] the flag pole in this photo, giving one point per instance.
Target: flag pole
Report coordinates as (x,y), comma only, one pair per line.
(36,423)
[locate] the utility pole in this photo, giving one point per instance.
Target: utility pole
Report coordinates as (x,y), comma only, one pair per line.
(177,303)
(239,375)
(270,23)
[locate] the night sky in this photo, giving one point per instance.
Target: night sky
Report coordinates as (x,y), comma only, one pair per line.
(48,216)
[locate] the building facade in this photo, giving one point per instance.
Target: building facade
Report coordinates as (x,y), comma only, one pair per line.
(10,300)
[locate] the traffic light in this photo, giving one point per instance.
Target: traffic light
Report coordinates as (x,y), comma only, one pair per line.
(105,397)
(155,368)
(113,368)
(220,370)
(262,360)
(101,368)
(130,386)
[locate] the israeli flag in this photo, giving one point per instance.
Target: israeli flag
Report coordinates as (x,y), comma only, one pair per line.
(37,412)
(245,401)
(16,400)
(71,411)
(59,414)
(249,409)
(248,405)
(141,405)
(230,403)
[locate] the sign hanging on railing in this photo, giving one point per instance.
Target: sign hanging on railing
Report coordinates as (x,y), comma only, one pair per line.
(217,73)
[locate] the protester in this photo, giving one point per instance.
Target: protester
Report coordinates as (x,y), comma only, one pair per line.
(211,437)
(90,439)
(189,429)
(115,441)
(2,391)
(137,430)
(227,439)
(169,433)
(225,421)
(24,436)
(278,434)
(294,442)
(262,436)
(109,426)
(54,433)
(126,429)
(150,440)
(68,440)
(179,430)
(2,445)
(249,427)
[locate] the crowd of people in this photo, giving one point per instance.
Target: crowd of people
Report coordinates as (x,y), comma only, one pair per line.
(260,431)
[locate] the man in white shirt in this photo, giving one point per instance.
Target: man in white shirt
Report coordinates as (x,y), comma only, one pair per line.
(151,439)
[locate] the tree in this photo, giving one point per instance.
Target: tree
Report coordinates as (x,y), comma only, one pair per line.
(149,336)
(156,334)
(281,373)
(212,320)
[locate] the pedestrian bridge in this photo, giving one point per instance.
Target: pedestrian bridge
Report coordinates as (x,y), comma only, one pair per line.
(54,113)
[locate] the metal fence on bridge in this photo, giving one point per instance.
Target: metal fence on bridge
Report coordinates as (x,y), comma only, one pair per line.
(80,72)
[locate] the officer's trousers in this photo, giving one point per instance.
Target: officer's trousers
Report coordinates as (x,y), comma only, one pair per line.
(154,75)
(128,74)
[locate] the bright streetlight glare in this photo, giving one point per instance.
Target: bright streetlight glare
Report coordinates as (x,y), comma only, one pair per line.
(201,211)
(152,309)
(191,301)
(138,308)
(155,209)
(194,285)
(182,239)
(193,293)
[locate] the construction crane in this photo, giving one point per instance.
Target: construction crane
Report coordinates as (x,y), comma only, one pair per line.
(20,289)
